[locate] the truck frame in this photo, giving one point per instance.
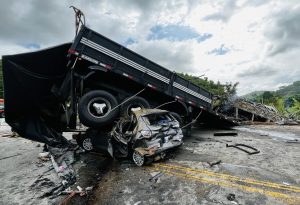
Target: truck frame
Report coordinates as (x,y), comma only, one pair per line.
(122,72)
(95,78)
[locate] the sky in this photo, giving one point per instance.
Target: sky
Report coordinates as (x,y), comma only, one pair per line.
(253,42)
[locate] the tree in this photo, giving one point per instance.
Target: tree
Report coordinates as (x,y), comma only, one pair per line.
(225,91)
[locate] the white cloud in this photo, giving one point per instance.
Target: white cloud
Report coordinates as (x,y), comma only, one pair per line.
(261,36)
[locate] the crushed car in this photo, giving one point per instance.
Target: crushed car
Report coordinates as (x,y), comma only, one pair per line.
(147,136)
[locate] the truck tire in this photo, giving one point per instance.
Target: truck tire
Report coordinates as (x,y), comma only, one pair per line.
(133,103)
(177,117)
(187,132)
(95,108)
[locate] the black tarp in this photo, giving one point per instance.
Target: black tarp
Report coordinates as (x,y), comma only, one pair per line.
(31,108)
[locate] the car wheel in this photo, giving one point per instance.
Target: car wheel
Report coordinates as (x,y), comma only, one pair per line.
(95,108)
(135,102)
(85,143)
(2,115)
(187,132)
(138,159)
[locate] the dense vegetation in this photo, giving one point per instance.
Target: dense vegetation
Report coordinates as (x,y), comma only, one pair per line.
(223,90)
(286,99)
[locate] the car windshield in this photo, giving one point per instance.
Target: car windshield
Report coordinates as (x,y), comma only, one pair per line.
(155,119)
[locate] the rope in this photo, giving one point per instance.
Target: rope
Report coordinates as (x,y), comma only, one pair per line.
(166,104)
(193,120)
(79,18)
(127,99)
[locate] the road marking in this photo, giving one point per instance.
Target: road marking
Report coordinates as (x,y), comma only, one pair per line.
(231,177)
(175,171)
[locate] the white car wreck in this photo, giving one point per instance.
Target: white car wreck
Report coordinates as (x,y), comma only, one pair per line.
(147,136)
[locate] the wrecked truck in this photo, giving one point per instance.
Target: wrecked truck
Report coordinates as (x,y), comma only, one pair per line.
(95,80)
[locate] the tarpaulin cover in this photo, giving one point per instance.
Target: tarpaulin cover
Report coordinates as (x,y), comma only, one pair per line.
(31,109)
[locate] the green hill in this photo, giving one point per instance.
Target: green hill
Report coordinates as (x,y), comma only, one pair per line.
(253,95)
(289,90)
(286,99)
(216,88)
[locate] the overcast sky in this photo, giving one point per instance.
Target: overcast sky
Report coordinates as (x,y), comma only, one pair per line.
(254,42)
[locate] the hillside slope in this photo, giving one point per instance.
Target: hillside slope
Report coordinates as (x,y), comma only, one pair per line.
(286,99)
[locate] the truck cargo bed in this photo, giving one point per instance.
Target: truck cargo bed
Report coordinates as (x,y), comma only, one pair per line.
(99,50)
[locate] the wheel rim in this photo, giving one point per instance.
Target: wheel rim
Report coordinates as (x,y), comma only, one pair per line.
(87,144)
(99,107)
(134,105)
(138,158)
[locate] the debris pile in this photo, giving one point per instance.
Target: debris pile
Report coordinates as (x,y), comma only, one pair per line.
(244,111)
(257,109)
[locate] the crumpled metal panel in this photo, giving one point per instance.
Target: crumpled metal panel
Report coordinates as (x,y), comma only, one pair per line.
(149,139)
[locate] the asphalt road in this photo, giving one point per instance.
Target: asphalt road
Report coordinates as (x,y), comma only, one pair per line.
(269,177)
(26,179)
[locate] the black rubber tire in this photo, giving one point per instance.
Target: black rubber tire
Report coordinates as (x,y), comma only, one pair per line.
(85,108)
(187,132)
(2,115)
(139,101)
(177,117)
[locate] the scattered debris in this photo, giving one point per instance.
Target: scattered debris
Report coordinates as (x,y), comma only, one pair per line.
(79,188)
(293,141)
(42,182)
(71,194)
(14,134)
(155,176)
(287,122)
(62,160)
(265,112)
(285,183)
(231,197)
(10,156)
(6,135)
(211,164)
(247,112)
(44,154)
(89,188)
(81,193)
(225,133)
(238,146)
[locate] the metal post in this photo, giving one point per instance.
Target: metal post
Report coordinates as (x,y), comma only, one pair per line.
(236,113)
